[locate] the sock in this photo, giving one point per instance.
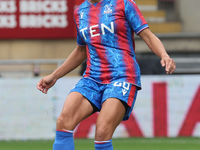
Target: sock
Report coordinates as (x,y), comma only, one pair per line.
(64,140)
(103,145)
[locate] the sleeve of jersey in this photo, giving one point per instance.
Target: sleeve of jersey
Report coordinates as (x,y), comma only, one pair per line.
(135,17)
(79,40)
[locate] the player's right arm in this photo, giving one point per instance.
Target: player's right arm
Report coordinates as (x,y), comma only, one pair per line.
(74,60)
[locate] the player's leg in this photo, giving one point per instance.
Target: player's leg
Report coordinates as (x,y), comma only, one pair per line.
(110,116)
(75,109)
(118,101)
(81,103)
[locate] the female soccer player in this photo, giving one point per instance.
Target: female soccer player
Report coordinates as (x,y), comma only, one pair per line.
(112,78)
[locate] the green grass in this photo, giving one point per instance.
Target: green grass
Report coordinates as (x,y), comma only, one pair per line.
(118,144)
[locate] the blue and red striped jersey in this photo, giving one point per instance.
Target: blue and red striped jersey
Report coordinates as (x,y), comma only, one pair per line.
(107,28)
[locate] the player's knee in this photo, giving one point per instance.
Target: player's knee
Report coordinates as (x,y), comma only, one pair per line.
(60,122)
(64,123)
(103,133)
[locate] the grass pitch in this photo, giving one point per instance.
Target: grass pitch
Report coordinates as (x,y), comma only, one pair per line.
(118,144)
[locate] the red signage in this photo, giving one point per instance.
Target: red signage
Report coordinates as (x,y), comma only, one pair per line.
(36,19)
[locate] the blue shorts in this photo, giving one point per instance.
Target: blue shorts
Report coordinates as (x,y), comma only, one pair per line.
(97,93)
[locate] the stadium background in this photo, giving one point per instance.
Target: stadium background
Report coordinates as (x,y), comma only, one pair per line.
(36,36)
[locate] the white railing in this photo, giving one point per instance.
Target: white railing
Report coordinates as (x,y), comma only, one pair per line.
(28,67)
(187,65)
(31,61)
(183,66)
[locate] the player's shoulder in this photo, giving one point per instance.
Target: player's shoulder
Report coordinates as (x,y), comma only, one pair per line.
(130,2)
(83,5)
(133,1)
(126,2)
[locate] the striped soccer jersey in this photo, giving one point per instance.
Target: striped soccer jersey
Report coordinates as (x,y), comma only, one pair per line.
(107,28)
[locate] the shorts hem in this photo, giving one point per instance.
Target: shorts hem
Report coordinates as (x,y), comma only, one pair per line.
(92,104)
(127,107)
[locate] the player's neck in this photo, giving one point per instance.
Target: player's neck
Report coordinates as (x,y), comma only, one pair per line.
(94,1)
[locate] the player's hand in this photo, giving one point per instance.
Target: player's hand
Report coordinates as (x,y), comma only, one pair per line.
(169,64)
(46,83)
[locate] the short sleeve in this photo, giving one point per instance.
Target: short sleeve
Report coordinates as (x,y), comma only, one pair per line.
(134,16)
(79,40)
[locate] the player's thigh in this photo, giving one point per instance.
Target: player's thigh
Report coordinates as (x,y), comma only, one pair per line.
(110,116)
(75,109)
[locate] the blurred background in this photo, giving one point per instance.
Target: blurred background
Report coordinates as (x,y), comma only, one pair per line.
(36,36)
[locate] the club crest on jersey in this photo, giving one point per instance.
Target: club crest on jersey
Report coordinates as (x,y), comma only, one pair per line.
(107,9)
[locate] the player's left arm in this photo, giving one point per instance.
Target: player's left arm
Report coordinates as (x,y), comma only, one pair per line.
(157,47)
